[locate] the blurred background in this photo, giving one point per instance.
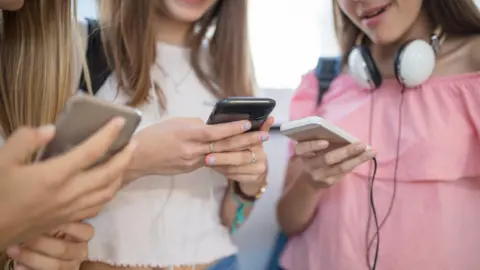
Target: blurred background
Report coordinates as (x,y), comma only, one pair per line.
(287,37)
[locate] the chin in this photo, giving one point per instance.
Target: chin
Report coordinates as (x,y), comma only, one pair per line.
(188,10)
(11,4)
(384,37)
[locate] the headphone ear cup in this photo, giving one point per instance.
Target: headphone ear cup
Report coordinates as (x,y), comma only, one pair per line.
(363,68)
(414,63)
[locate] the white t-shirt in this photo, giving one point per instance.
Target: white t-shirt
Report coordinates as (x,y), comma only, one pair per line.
(159,221)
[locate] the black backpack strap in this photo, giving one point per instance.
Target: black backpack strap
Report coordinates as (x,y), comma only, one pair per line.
(96,60)
(326,71)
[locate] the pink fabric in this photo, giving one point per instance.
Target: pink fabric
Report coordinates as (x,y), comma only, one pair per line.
(435,221)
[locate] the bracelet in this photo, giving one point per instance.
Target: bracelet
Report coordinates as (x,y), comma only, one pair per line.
(238,190)
(240,213)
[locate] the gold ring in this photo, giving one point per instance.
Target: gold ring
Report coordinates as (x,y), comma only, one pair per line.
(254,158)
(211,147)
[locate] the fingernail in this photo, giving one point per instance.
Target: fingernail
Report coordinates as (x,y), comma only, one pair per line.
(13,251)
(47,129)
(247,126)
(323,144)
(118,122)
(133,145)
(361,148)
(264,137)
(211,160)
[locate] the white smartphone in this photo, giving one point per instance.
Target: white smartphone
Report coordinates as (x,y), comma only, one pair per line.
(316,128)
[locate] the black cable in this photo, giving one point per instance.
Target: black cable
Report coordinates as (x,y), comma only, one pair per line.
(375,217)
(378,226)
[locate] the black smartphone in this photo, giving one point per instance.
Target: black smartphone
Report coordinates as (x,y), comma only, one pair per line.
(254,109)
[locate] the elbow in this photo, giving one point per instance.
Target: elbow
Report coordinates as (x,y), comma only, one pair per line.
(289,225)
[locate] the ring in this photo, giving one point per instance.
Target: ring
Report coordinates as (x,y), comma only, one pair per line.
(254,157)
(211,147)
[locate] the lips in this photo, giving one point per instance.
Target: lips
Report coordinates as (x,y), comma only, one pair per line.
(373,12)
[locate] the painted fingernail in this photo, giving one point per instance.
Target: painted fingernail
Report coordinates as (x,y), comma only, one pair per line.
(361,148)
(211,160)
(13,251)
(322,144)
(247,126)
(264,137)
(371,153)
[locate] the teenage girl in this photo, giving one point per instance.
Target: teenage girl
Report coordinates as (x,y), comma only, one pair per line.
(173,59)
(423,122)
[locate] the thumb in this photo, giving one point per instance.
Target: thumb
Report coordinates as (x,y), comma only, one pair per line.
(24,142)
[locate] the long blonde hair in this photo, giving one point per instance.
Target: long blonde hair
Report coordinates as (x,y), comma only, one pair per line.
(129,38)
(36,62)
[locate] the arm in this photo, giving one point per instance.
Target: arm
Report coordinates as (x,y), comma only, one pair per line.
(230,206)
(298,205)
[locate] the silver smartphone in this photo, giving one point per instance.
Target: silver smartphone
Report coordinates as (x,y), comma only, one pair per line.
(84,115)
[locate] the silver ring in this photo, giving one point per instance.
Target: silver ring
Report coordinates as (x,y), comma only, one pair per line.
(254,158)
(211,147)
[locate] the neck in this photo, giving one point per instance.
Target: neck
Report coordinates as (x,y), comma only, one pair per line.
(384,54)
(171,31)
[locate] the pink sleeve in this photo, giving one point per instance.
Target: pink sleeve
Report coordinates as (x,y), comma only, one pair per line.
(304,101)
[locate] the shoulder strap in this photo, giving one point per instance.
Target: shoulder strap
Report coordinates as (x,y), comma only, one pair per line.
(96,60)
(326,71)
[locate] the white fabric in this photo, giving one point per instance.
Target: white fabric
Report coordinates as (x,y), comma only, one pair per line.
(160,221)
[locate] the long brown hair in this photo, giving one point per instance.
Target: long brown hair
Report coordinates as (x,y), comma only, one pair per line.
(456,17)
(36,62)
(129,38)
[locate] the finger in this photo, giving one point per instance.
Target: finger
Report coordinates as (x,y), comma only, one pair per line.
(105,178)
(308,148)
(256,168)
(24,142)
(92,149)
(240,142)
(58,248)
(34,260)
(244,178)
(234,158)
(349,164)
(338,155)
(210,133)
(268,124)
(79,231)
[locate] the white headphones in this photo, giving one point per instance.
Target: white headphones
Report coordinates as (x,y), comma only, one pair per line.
(414,62)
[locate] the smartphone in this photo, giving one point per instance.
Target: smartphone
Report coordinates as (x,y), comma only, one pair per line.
(254,109)
(316,128)
(84,115)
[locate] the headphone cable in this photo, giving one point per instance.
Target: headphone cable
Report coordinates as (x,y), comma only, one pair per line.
(378,226)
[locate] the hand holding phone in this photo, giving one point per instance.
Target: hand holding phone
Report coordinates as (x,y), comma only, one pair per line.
(62,189)
(83,116)
(327,151)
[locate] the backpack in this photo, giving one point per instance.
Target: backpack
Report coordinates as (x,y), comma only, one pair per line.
(326,71)
(95,58)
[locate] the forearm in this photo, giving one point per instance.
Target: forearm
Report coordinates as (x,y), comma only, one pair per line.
(230,204)
(298,205)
